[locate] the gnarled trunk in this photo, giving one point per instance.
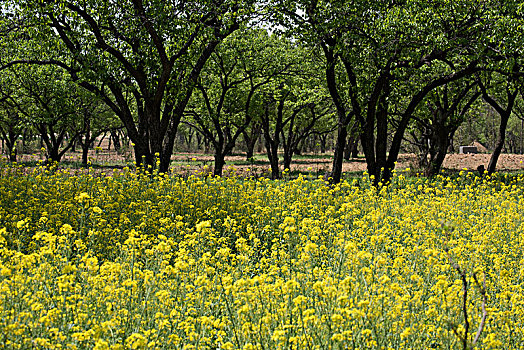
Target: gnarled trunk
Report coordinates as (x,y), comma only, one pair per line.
(501,137)
(338,158)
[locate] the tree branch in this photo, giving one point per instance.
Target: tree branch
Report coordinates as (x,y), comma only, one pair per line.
(139,7)
(139,76)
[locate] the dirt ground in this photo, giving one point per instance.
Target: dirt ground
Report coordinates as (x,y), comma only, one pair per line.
(315,163)
(506,162)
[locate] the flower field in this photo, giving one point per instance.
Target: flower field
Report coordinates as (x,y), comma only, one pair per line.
(164,262)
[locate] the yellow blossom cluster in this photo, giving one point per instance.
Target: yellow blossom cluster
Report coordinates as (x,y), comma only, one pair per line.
(136,261)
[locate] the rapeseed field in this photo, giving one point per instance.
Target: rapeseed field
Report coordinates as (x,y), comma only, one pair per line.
(137,261)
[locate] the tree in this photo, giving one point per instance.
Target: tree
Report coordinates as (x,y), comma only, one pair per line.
(352,141)
(251,135)
(517,125)
(301,125)
(502,78)
(388,54)
(504,93)
(142,59)
(293,105)
(222,106)
(95,119)
(438,119)
(12,123)
(47,100)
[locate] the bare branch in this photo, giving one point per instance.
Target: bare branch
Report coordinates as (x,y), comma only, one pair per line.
(482,289)
(484,301)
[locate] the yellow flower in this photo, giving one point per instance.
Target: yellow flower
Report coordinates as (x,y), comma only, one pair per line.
(227,346)
(97,210)
(406,333)
(203,225)
(21,224)
(136,341)
(101,345)
(82,197)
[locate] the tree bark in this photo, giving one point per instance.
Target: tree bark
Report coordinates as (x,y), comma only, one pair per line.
(351,150)
(271,144)
(323,144)
(338,158)
(438,150)
(250,139)
(272,154)
(85,153)
(10,143)
(504,113)
(501,137)
(288,156)
(219,164)
(342,115)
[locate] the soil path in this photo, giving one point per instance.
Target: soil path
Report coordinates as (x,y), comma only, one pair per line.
(321,164)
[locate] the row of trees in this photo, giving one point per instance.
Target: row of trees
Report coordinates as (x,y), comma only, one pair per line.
(377,73)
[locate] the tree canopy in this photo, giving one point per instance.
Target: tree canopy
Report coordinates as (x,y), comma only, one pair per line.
(382,71)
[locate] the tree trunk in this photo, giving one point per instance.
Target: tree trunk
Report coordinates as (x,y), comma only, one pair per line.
(199,139)
(492,166)
(383,174)
(436,163)
(298,149)
(351,149)
(273,159)
(219,163)
(54,154)
(260,144)
(12,156)
(85,153)
(338,158)
(287,158)
(251,139)
(354,149)
(52,143)
(189,139)
(323,144)
(169,142)
(504,113)
(272,152)
(439,149)
(347,149)
(143,156)
(101,140)
(10,142)
(250,152)
(11,148)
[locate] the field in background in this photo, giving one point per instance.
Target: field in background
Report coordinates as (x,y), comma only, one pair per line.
(318,164)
